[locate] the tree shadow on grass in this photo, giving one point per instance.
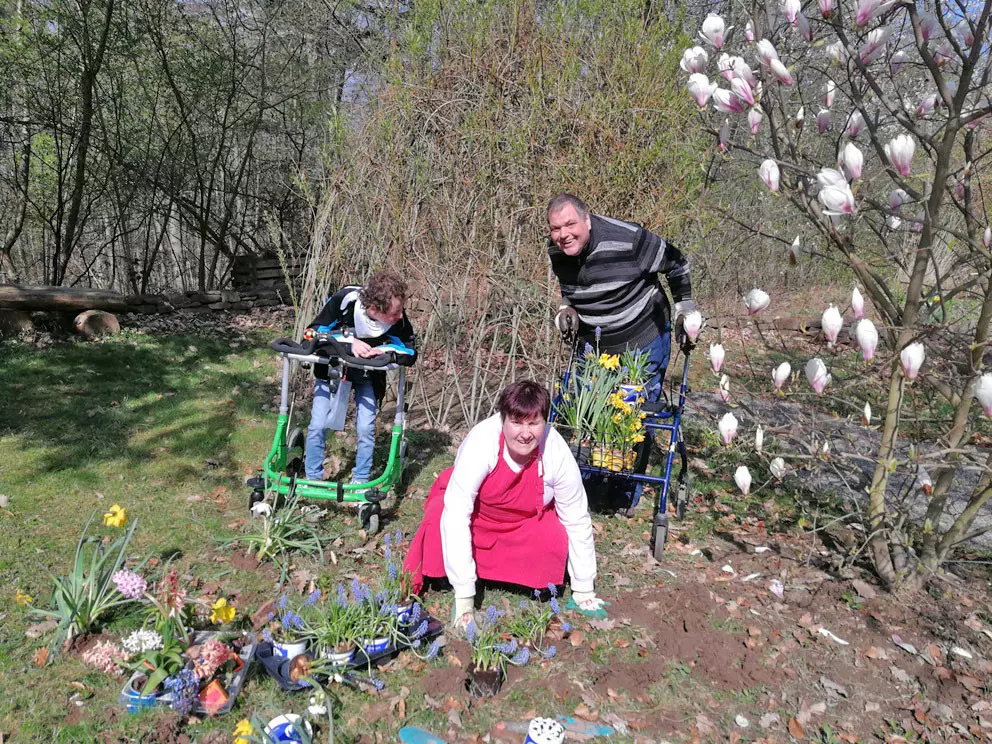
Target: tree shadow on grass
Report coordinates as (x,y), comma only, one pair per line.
(89,404)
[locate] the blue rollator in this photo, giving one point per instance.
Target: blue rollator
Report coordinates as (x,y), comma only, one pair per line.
(663,416)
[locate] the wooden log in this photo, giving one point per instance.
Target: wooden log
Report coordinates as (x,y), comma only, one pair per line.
(60,298)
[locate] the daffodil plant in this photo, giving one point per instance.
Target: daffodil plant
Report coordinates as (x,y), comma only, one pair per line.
(600,405)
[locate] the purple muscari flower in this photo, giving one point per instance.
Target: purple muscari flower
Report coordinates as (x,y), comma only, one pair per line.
(415,613)
(566,627)
(289,620)
(267,635)
(553,589)
(392,572)
(283,602)
(550,653)
(507,647)
(377,683)
(416,643)
(522,657)
(356,589)
(297,622)
(130,584)
(272,616)
(599,333)
(537,594)
(398,537)
(432,651)
(587,350)
(470,631)
(555,607)
(388,553)
(524,604)
(492,615)
(386,539)
(421,629)
(312,598)
(342,598)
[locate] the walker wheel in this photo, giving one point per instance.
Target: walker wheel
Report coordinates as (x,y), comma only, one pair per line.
(659,536)
(368,516)
(296,438)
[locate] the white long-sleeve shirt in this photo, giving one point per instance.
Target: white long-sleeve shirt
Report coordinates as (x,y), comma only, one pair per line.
(477,457)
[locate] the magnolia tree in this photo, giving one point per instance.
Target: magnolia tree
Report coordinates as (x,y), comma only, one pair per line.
(868,120)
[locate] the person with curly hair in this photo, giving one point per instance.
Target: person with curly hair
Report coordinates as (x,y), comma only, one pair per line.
(374,315)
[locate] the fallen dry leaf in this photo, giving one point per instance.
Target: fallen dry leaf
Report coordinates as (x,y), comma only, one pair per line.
(586,713)
(41,656)
(577,638)
(796,730)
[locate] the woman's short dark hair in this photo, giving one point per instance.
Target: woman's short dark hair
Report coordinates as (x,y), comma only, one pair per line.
(381,288)
(524,399)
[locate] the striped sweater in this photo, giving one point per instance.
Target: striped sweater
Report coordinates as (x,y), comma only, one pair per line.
(613,284)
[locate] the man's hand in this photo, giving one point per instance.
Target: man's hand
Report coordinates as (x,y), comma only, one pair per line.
(682,309)
(567,321)
(362,350)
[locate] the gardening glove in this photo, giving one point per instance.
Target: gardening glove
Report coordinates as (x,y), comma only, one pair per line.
(461,613)
(587,603)
(567,321)
(682,309)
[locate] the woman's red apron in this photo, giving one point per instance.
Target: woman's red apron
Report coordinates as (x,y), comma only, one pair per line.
(515,537)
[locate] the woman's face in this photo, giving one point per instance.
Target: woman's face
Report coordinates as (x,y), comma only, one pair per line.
(522,435)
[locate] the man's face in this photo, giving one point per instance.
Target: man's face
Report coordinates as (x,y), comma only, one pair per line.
(391,315)
(569,230)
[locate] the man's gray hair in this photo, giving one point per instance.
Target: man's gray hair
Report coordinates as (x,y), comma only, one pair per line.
(563,200)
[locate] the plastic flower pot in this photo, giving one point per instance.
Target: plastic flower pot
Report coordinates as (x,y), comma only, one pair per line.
(405,611)
(483,683)
(339,658)
(287,728)
(288,650)
(375,646)
(213,697)
(135,701)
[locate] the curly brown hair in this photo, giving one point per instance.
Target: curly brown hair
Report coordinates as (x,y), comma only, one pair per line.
(381,288)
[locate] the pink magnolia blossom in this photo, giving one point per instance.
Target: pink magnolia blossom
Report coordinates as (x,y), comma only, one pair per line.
(826,7)
(713,30)
(743,70)
(987,238)
(754,120)
(759,439)
(723,139)
(867,338)
(983,393)
(892,222)
(791,9)
(724,388)
(816,373)
(866,414)
(899,150)
(829,93)
(794,251)
(897,61)
(966,33)
(838,200)
(850,162)
(694,60)
(726,102)
(717,355)
(875,44)
(869,9)
(749,31)
(897,198)
(742,477)
(742,89)
(823,121)
(831,322)
(800,117)
(700,88)
(857,304)
(728,427)
(765,52)
(781,374)
(912,357)
(927,106)
(836,52)
(855,124)
(805,30)
(929,27)
(769,174)
(725,64)
(692,323)
(778,468)
(756,301)
(780,71)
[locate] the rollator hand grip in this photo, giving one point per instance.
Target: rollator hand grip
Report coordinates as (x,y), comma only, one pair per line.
(333,349)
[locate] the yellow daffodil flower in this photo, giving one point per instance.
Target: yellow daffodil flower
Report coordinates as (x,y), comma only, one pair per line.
(23,599)
(116,517)
(243,729)
(637,438)
(607,361)
(222,612)
(617,418)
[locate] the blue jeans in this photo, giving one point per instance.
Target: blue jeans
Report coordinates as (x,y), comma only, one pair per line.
(658,352)
(323,412)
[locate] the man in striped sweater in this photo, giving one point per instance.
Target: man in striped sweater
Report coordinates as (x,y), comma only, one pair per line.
(611,294)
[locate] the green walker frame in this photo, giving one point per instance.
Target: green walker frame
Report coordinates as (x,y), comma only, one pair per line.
(283,473)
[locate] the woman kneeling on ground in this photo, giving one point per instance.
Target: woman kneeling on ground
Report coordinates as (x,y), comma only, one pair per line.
(511,509)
